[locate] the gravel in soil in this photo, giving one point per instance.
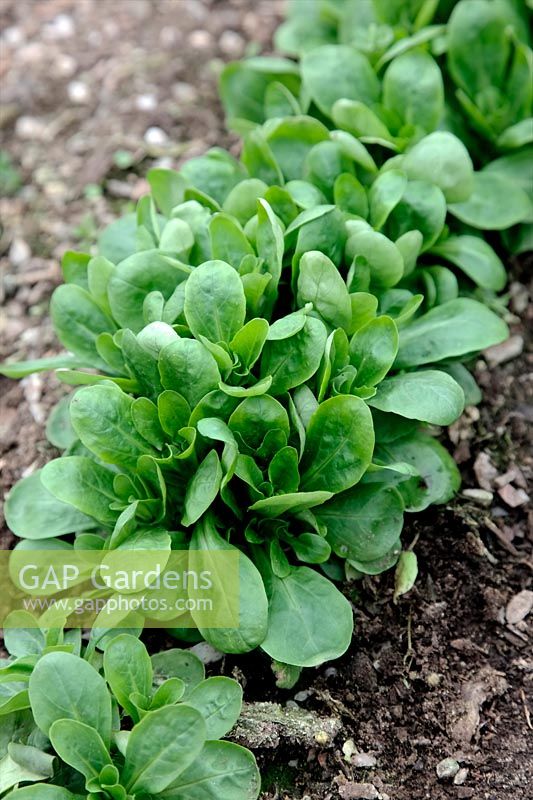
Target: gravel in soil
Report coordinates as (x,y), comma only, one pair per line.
(435,695)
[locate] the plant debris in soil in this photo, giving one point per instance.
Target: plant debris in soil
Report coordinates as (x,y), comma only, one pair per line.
(434,699)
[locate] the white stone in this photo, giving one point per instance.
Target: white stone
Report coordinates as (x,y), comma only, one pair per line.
(155,136)
(200,39)
(78,92)
(61,27)
(145,102)
(19,252)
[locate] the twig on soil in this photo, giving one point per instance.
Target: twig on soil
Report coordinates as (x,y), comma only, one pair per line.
(505,543)
(267,724)
(410,652)
(527,713)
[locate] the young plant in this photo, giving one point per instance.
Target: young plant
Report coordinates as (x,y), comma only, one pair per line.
(149,727)
(262,348)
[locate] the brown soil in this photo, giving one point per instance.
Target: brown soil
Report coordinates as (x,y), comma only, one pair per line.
(442,673)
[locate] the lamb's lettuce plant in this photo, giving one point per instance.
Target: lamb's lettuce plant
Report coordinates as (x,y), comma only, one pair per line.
(118,725)
(392,73)
(260,353)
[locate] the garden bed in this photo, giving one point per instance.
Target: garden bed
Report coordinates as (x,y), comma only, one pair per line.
(418,673)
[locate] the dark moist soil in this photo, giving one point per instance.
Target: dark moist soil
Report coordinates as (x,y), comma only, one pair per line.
(442,673)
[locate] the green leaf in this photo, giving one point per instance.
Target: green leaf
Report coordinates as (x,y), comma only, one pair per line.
(439,477)
(33,513)
(476,258)
(294,502)
(101,416)
(332,72)
(385,194)
(19,369)
(309,619)
(160,747)
(413,89)
(215,304)
(228,242)
(46,792)
(119,239)
(135,277)
(441,158)
(253,603)
(78,320)
(311,547)
(291,140)
(358,119)
(270,246)
(422,208)
(222,771)
(187,367)
(219,701)
(363,523)
(373,350)
(406,573)
(202,489)
(23,763)
(427,395)
(495,203)
(128,670)
(478,45)
(243,85)
(241,202)
(293,361)
(283,470)
(248,342)
(167,188)
(80,746)
(339,445)
(180,664)
(84,484)
(63,686)
(458,327)
(320,283)
(375,251)
(255,417)
(145,416)
(59,430)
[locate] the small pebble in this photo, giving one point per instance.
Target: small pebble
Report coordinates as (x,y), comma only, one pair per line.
(331,672)
(78,92)
(363,761)
(200,40)
(61,27)
(13,36)
(206,653)
(519,607)
(321,737)
(447,768)
(19,252)
(513,497)
(358,791)
(302,696)
(506,351)
(349,749)
(30,128)
(485,471)
(481,497)
(65,66)
(184,92)
(155,136)
(146,102)
(231,43)
(461,776)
